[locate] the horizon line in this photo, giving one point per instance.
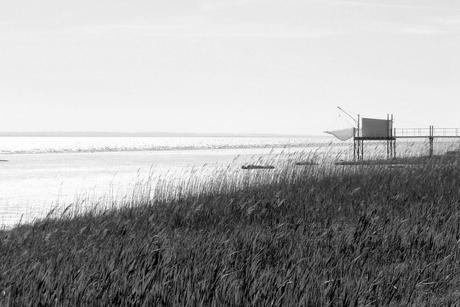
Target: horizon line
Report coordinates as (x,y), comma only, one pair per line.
(143,134)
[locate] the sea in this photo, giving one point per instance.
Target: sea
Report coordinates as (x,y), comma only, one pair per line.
(40,174)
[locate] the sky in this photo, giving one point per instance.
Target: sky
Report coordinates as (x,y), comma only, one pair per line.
(223,66)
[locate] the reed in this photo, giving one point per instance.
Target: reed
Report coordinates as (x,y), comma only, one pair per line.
(303,235)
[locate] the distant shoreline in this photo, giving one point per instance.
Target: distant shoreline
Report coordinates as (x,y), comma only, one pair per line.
(164,149)
(145,134)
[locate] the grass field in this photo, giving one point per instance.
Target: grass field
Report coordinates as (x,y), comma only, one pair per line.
(342,236)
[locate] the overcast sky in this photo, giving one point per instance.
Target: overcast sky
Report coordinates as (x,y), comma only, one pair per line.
(237,66)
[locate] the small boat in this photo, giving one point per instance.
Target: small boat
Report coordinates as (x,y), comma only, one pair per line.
(251,166)
(306,163)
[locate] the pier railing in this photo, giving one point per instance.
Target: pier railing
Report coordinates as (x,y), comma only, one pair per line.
(409,132)
(425,132)
(453,132)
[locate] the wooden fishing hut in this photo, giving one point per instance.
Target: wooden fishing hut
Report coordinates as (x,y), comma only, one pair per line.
(371,129)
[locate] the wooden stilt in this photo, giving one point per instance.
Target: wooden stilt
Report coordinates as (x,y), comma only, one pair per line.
(394,149)
(388,135)
(431,139)
(355,148)
(394,137)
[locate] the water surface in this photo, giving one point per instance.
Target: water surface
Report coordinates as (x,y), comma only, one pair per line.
(42,173)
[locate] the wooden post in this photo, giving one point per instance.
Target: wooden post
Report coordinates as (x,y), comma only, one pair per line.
(354,144)
(388,136)
(390,149)
(394,149)
(390,133)
(394,145)
(431,138)
(359,142)
(359,124)
(393,136)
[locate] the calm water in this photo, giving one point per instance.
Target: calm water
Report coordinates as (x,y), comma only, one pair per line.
(17,145)
(41,173)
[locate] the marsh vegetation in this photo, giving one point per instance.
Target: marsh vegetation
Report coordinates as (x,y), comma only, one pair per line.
(342,236)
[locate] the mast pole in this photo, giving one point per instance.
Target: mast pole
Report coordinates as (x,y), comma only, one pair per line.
(348,114)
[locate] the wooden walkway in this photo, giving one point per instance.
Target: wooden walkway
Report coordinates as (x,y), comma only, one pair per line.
(431,133)
(414,133)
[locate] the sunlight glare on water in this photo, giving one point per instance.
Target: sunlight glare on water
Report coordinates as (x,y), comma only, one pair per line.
(38,174)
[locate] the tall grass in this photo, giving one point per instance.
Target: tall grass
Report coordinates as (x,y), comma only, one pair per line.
(309,236)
